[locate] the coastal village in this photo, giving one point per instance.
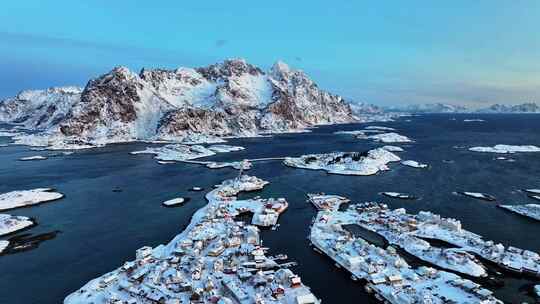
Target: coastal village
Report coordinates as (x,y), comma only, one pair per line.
(384,270)
(389,276)
(216,259)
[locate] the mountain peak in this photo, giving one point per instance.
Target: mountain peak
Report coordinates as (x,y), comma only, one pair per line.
(281,66)
(229,67)
(280,69)
(122,71)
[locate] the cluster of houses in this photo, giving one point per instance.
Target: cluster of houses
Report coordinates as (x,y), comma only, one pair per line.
(217,259)
(433,226)
(400,228)
(378,217)
(387,274)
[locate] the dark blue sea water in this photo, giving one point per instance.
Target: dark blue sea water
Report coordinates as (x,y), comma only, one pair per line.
(100,229)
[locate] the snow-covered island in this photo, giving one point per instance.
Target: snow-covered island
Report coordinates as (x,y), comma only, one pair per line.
(238,165)
(393,148)
(171,153)
(31,158)
(379,128)
(414,164)
(181,152)
(25,198)
(399,195)
(528,210)
(175,202)
(346,163)
(388,275)
(503,149)
(390,138)
(11,223)
(216,259)
(478,195)
(379,134)
(177,152)
(225,148)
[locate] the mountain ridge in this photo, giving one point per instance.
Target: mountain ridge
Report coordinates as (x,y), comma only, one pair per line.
(230,98)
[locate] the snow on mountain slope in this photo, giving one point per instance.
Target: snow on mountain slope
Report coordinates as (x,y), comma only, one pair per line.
(299,103)
(118,106)
(39,109)
(181,87)
(231,98)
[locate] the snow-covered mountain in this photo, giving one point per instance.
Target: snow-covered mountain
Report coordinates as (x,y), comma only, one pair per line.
(39,109)
(232,98)
(530,107)
(365,112)
(448,108)
(361,108)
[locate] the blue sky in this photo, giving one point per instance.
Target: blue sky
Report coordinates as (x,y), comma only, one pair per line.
(383,52)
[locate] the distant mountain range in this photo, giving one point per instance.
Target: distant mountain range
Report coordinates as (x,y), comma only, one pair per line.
(231,98)
(530,107)
(448,108)
(435,108)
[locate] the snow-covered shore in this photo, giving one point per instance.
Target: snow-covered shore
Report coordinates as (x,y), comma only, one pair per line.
(399,195)
(177,152)
(180,152)
(25,198)
(528,210)
(382,134)
(390,138)
(12,223)
(478,195)
(33,158)
(504,149)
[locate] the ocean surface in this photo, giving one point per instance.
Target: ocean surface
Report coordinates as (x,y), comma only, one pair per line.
(99,229)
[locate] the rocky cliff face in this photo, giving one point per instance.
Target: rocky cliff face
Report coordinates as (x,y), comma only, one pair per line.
(118,106)
(232,98)
(297,102)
